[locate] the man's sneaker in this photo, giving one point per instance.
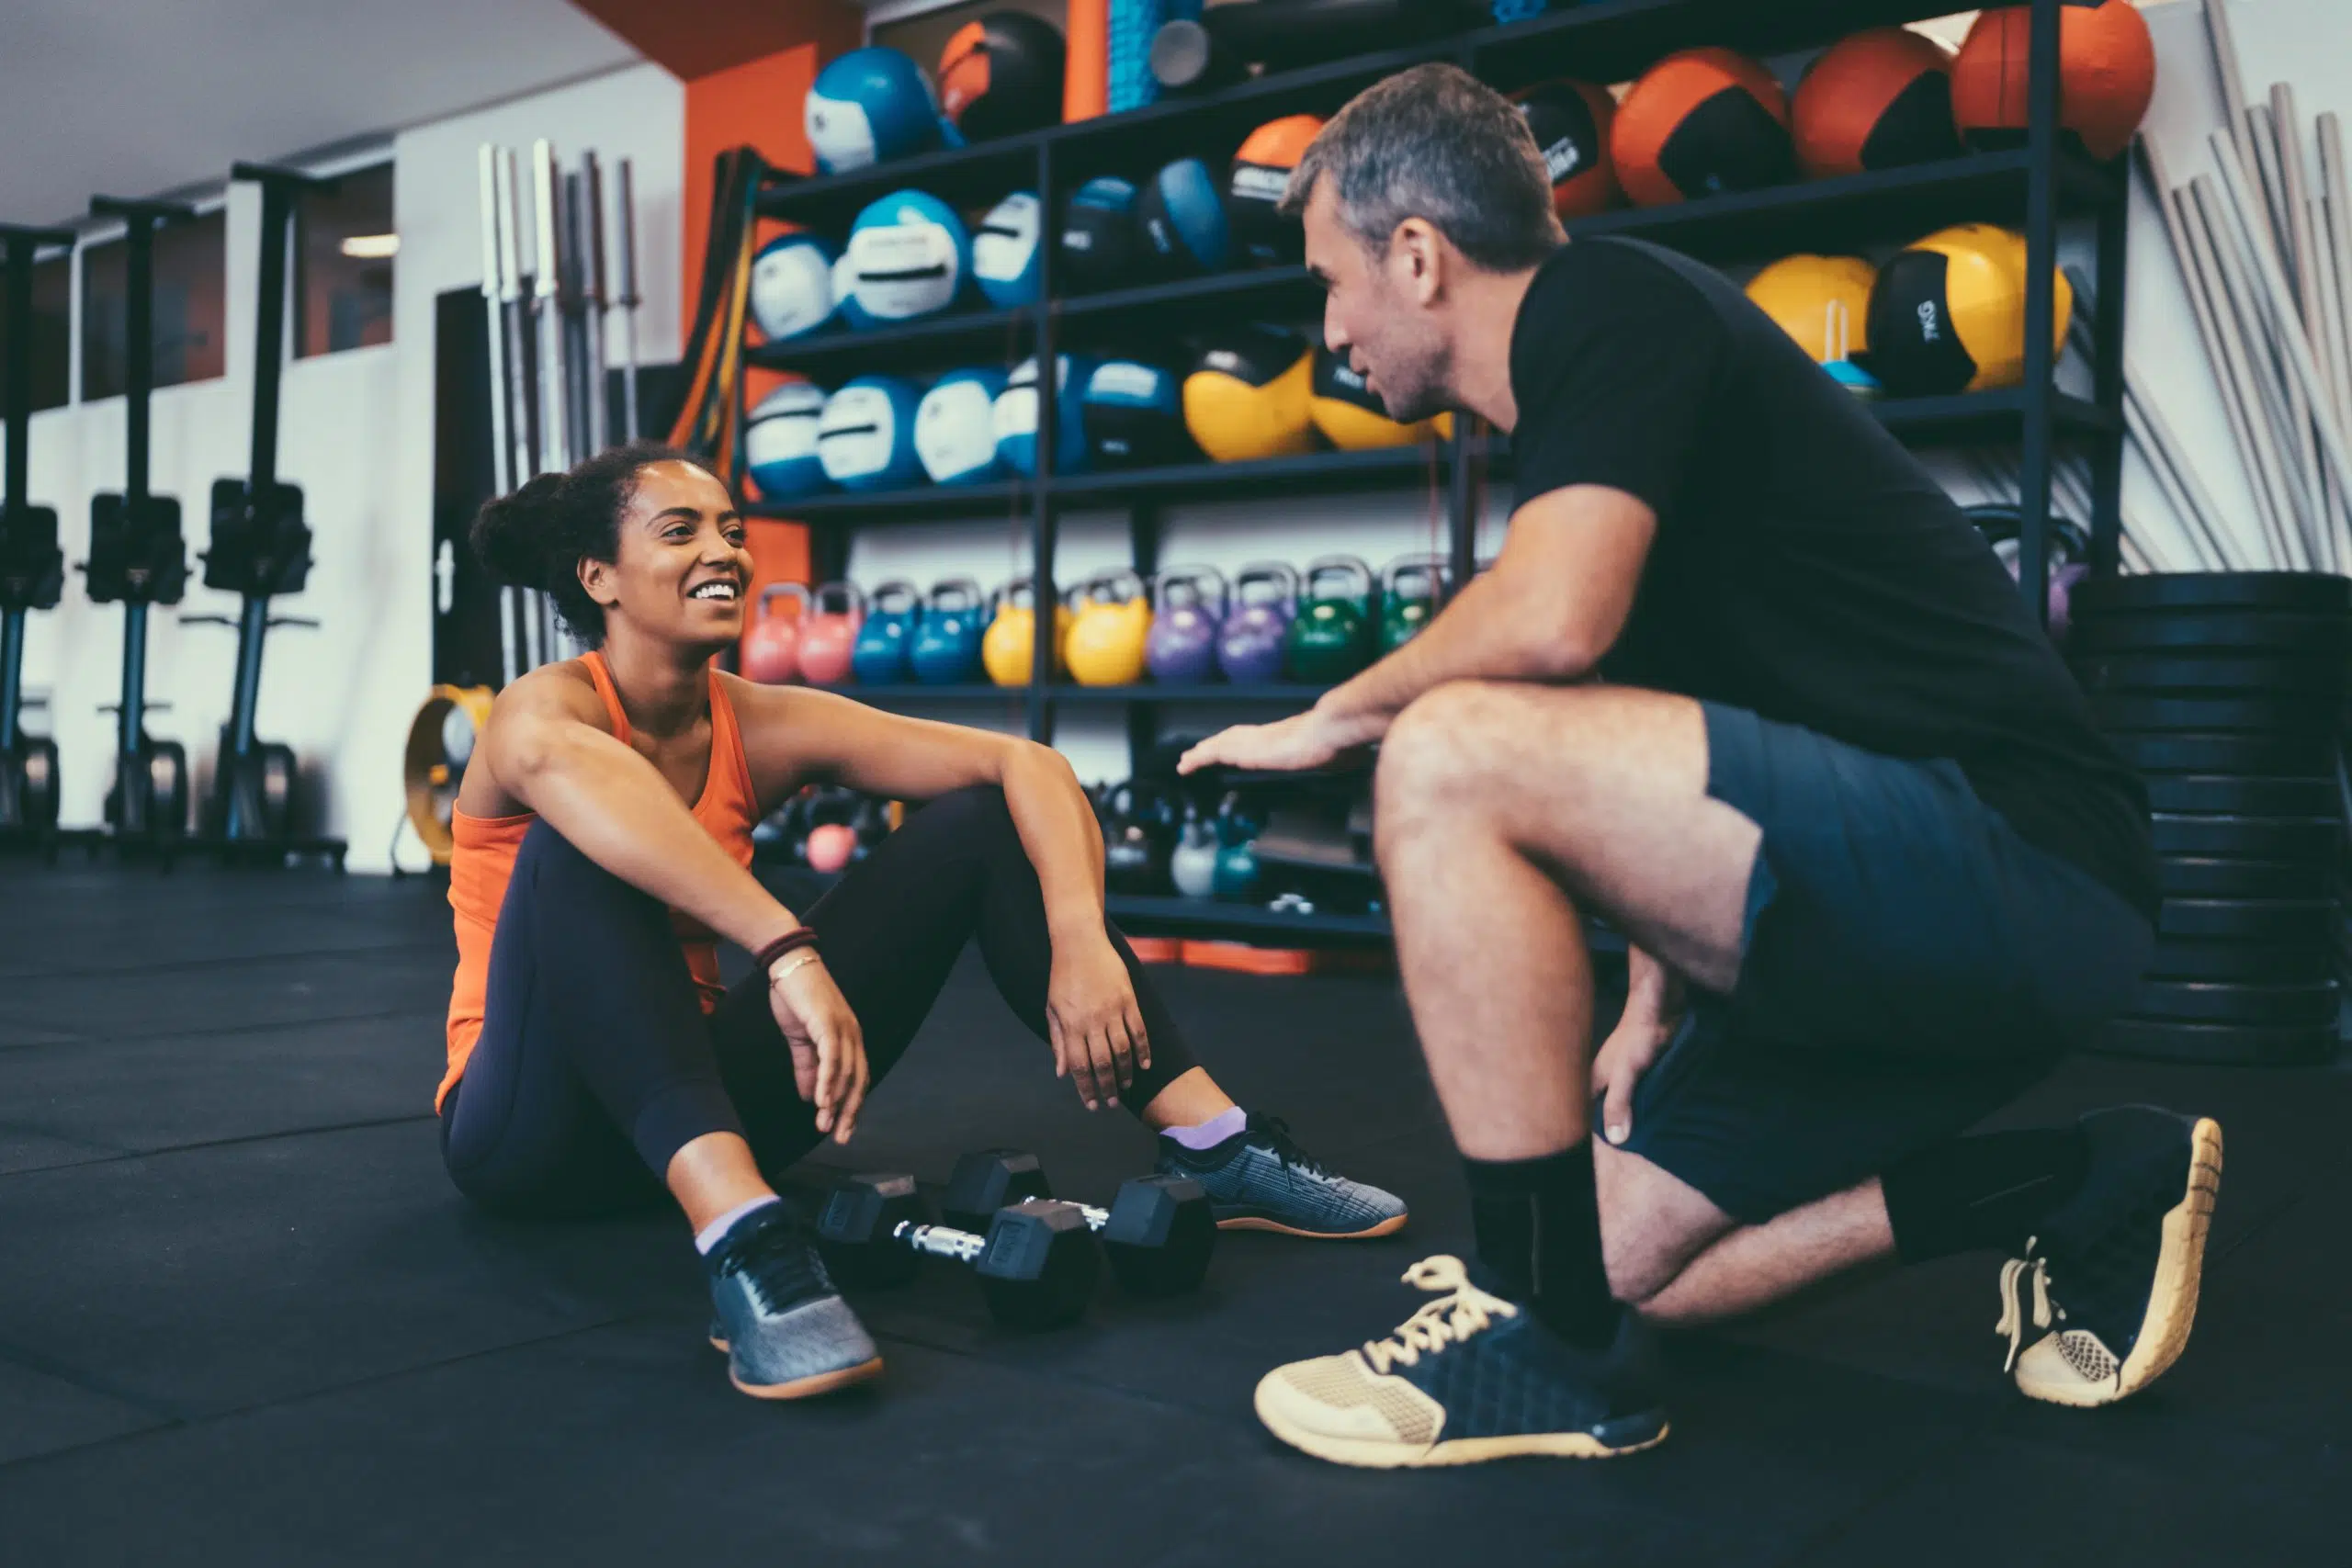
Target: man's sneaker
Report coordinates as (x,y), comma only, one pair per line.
(2112,1277)
(787,1331)
(1470,1377)
(1260,1179)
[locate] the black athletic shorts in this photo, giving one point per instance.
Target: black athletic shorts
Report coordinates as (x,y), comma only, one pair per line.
(1911,966)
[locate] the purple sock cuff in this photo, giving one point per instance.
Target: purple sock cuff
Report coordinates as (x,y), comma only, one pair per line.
(1211,1133)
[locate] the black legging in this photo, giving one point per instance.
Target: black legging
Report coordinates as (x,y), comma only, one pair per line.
(596,1063)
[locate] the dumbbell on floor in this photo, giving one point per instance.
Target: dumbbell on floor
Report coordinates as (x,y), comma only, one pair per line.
(1158,1231)
(1035,1259)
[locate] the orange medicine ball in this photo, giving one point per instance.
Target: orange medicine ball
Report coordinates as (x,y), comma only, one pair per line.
(1877,100)
(2107,74)
(1701,123)
(1570,121)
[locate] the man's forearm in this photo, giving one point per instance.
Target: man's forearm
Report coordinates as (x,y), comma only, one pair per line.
(1486,634)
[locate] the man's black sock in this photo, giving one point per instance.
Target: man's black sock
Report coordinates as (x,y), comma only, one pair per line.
(1538,1225)
(1984,1194)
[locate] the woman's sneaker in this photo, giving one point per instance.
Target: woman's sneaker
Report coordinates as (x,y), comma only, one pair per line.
(1470,1377)
(787,1331)
(2112,1278)
(1260,1179)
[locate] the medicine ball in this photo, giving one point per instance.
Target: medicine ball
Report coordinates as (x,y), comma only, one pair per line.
(780,443)
(907,257)
(1823,302)
(1182,220)
(1571,122)
(1004,251)
(868,106)
(955,428)
(1247,396)
(1001,75)
(1132,416)
(1877,100)
(792,286)
(1351,416)
(1015,417)
(2107,73)
(1701,123)
(1261,169)
(866,435)
(1948,313)
(1099,245)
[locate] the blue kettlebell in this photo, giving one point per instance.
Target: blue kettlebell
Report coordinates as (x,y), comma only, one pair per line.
(947,645)
(879,658)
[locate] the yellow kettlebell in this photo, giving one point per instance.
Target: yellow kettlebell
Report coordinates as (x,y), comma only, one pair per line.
(1012,636)
(1105,645)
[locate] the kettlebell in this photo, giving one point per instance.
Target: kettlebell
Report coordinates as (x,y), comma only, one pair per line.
(830,839)
(1235,879)
(829,633)
(1133,861)
(945,648)
(871,823)
(1410,587)
(880,658)
(1105,646)
(772,647)
(1249,642)
(1332,637)
(1192,865)
(1010,639)
(1181,650)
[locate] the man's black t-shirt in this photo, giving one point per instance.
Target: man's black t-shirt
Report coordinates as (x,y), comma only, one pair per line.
(1805,567)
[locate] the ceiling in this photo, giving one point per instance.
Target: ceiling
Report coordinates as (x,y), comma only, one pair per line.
(141,98)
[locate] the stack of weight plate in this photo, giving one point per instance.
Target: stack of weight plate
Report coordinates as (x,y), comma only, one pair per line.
(2227,690)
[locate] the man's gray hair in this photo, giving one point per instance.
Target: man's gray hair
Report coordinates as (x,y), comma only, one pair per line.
(1435,142)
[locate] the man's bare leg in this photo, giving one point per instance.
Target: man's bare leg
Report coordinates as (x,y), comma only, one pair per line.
(1678,1258)
(1494,801)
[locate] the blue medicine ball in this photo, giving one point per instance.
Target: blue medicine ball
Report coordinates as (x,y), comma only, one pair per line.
(866,436)
(1180,215)
(955,427)
(868,106)
(780,443)
(1099,243)
(908,256)
(1004,251)
(1016,416)
(1133,414)
(792,286)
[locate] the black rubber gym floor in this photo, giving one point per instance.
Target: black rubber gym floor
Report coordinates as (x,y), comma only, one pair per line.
(245,1318)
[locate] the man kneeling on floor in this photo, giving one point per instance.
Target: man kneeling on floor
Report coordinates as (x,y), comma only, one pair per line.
(1746,682)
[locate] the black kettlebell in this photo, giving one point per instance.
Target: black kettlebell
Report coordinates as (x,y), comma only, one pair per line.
(1135,859)
(873,825)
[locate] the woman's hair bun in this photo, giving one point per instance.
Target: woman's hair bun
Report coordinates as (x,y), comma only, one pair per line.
(514,535)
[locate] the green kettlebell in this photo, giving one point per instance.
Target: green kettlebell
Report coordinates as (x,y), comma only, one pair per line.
(1332,637)
(1409,589)
(1236,877)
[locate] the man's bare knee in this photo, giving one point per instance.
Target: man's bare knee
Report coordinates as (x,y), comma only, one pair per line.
(1438,743)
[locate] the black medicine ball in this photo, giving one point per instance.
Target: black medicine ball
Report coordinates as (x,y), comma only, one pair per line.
(1100,246)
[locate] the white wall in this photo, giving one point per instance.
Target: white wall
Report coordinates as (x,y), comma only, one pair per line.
(356,432)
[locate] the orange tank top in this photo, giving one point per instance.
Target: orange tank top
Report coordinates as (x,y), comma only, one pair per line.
(483,860)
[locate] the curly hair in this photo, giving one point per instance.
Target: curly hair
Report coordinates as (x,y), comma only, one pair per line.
(538,537)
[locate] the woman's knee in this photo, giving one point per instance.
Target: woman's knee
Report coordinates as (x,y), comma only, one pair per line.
(548,862)
(975,816)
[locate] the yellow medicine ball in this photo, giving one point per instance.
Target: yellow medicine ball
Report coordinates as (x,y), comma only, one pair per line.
(1353,419)
(1247,397)
(1948,313)
(1823,302)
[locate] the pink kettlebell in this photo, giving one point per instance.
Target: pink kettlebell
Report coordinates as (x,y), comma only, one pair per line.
(829,633)
(772,647)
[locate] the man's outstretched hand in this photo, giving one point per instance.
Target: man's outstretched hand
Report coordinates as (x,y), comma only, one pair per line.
(1310,739)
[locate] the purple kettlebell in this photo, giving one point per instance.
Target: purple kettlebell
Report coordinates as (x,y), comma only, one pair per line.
(1249,644)
(1181,650)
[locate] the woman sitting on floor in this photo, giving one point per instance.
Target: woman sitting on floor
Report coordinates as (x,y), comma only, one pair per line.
(604,838)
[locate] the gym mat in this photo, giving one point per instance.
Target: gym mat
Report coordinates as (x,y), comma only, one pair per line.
(246,1319)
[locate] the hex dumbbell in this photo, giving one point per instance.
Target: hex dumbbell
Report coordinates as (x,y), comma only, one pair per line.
(1158,1232)
(1035,1259)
